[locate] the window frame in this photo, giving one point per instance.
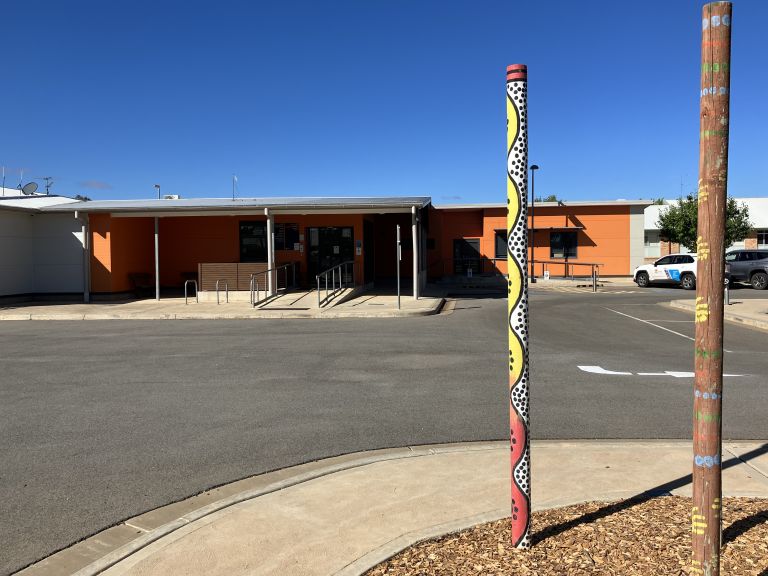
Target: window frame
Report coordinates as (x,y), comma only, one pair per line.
(565,247)
(500,235)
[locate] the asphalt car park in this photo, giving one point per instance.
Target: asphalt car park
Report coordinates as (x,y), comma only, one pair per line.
(102,420)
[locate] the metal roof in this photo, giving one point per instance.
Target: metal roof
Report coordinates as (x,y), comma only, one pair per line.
(227,205)
(34,203)
(565,203)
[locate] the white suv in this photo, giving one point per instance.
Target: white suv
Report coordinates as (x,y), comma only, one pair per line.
(675,268)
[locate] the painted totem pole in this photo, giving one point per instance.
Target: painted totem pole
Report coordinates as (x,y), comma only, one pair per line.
(517,306)
(712,198)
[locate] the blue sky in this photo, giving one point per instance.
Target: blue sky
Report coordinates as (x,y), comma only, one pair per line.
(369,97)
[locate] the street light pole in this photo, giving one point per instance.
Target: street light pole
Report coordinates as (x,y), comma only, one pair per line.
(533,169)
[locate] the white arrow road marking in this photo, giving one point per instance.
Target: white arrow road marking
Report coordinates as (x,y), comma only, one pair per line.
(672,373)
(669,373)
(598,370)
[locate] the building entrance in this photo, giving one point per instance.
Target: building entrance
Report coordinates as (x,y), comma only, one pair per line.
(329,246)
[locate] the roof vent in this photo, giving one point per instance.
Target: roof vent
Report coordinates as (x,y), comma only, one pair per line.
(171,197)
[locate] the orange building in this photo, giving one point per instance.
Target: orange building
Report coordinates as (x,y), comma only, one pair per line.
(575,233)
(222,239)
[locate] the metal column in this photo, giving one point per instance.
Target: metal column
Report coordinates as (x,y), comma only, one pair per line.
(415,242)
(270,251)
(86,259)
(157,258)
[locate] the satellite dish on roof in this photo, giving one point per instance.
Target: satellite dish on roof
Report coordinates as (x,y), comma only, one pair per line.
(29,188)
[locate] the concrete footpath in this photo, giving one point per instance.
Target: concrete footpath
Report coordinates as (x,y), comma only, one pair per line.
(343,515)
(750,312)
(290,305)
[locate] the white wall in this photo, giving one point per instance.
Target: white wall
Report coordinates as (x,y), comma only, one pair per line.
(57,253)
(16,261)
(40,253)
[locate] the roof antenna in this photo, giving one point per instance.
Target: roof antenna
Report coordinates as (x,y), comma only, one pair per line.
(48,183)
(234,185)
(3,180)
(21,177)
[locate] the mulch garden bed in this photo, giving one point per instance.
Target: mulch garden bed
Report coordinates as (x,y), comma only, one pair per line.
(638,537)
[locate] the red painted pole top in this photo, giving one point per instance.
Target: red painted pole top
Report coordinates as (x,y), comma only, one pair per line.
(517,72)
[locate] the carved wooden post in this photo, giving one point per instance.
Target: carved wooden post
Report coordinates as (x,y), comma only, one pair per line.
(712,199)
(517,307)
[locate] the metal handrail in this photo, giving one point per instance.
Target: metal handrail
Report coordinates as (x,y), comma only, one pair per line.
(197,292)
(226,289)
(254,283)
(342,268)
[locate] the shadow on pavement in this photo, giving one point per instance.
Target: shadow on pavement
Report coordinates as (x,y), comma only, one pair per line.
(729,534)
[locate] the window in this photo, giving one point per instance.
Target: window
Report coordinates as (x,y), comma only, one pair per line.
(664,261)
(253,241)
(762,238)
(683,260)
(563,244)
(286,235)
(501,244)
(652,244)
(731,256)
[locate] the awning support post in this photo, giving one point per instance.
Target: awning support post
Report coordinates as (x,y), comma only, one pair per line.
(270,251)
(157,258)
(415,242)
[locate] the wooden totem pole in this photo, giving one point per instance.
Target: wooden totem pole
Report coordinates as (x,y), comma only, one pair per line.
(712,199)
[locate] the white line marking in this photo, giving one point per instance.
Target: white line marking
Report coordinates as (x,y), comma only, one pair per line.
(655,325)
(599,370)
(136,527)
(672,373)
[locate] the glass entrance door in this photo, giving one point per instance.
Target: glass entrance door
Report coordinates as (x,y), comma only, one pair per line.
(329,246)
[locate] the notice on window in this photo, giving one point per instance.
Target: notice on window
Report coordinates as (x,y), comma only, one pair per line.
(297,246)
(335,249)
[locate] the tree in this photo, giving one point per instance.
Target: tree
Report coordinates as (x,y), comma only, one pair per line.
(678,223)
(550,198)
(81,197)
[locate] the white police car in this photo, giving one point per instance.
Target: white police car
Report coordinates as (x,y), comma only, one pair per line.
(673,269)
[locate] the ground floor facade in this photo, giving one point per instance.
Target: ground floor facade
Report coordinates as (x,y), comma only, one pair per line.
(118,248)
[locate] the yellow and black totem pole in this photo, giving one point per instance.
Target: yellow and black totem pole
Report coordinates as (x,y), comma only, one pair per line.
(517,307)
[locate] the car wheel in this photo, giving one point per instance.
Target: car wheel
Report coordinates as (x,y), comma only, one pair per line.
(688,281)
(642,279)
(759,280)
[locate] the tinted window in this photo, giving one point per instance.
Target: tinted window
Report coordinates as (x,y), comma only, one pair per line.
(665,260)
(501,244)
(761,255)
(253,241)
(683,259)
(563,244)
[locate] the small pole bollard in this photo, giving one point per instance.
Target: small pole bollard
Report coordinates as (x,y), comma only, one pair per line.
(727,292)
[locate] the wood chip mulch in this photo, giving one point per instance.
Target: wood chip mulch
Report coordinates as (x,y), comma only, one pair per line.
(644,536)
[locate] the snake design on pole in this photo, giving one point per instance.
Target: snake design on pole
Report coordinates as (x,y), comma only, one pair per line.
(517,300)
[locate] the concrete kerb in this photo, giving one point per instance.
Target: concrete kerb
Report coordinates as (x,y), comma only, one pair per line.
(94,555)
(190,510)
(431,307)
(752,321)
